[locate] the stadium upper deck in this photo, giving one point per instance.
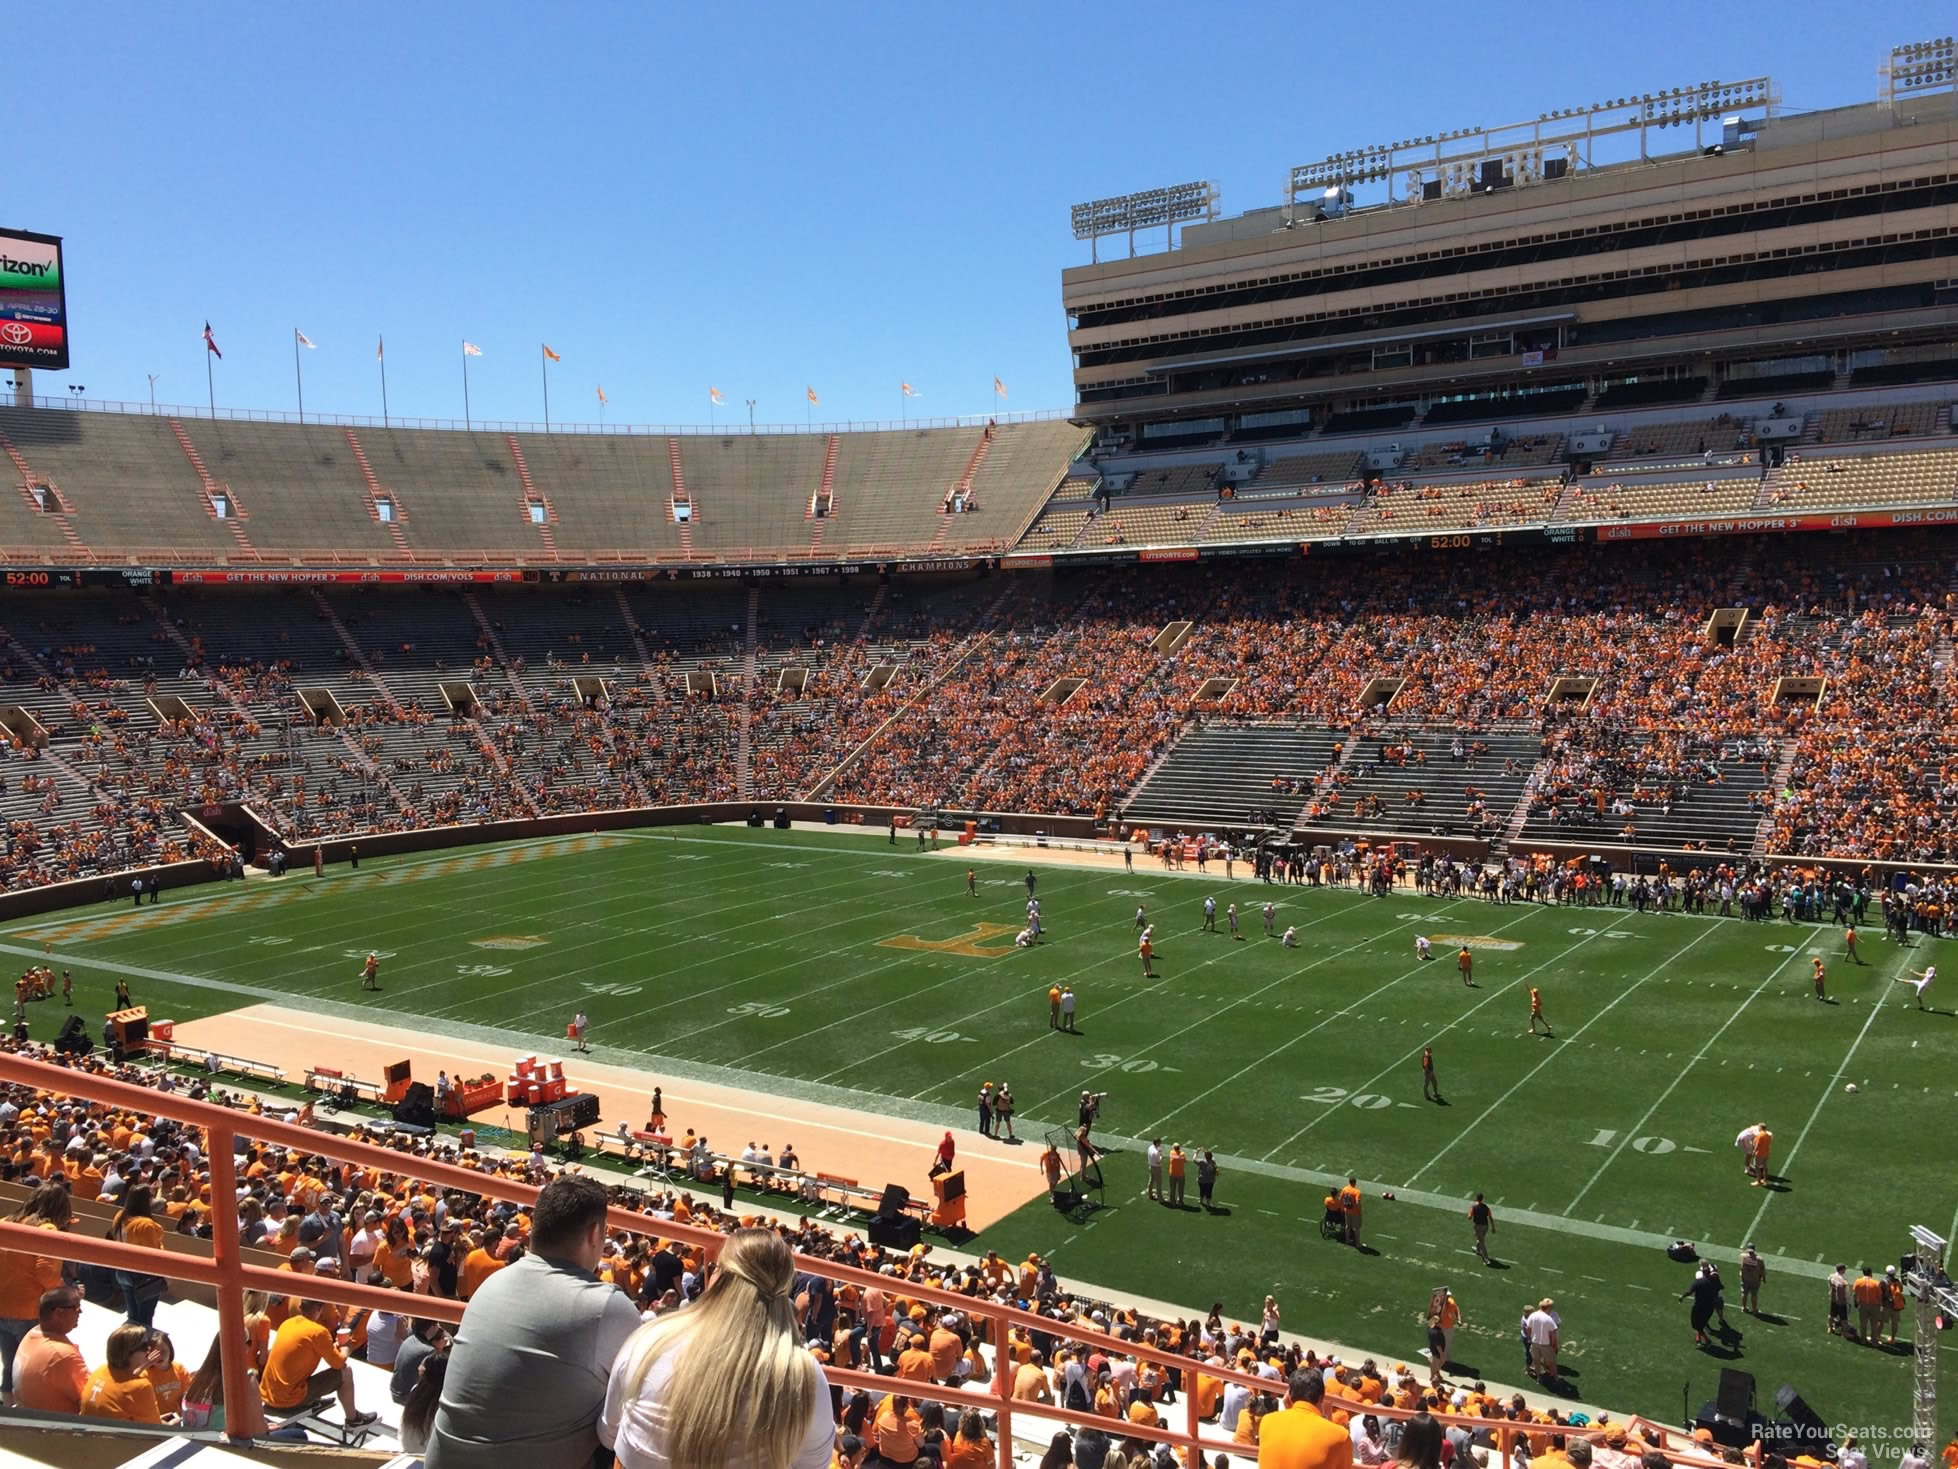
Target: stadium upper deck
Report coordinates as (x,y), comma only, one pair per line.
(1786,254)
(142,488)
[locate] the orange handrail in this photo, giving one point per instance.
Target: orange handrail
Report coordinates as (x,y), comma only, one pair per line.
(230,1277)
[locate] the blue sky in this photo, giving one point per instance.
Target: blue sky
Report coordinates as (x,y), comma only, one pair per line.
(761,198)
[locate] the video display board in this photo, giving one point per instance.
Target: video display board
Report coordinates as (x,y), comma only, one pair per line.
(33,301)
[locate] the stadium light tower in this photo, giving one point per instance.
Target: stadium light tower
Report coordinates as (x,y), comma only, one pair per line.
(1925,1278)
(1914,70)
(1127,213)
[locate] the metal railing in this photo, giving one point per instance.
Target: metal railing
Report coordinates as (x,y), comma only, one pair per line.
(729,430)
(230,1279)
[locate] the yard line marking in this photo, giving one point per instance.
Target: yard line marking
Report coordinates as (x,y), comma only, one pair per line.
(1530,1075)
(799,956)
(856,1015)
(1232,1005)
(1018,997)
(993,1065)
(1638,1128)
(1371,994)
(436,938)
(1381,1075)
(1823,1100)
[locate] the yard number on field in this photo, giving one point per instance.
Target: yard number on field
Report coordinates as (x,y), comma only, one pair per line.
(612,989)
(932,1037)
(1654,1145)
(1332,1096)
(760,1009)
(1134,1065)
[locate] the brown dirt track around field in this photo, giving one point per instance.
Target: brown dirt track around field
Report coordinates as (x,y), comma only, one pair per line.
(865,1146)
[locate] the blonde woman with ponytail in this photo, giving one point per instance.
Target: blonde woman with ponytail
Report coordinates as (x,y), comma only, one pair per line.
(726,1383)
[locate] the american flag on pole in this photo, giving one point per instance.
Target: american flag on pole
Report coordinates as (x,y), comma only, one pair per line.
(999,387)
(301,338)
(470,349)
(211,343)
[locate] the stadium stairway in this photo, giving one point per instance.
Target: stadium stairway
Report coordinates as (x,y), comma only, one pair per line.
(980,636)
(825,493)
(1217,775)
(1784,767)
(961,488)
(632,628)
(28,481)
(744,769)
(234,521)
(685,527)
(375,494)
(354,651)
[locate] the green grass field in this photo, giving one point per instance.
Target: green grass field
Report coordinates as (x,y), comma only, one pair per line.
(763,953)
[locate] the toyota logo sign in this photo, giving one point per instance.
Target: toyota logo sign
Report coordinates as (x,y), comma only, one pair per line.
(16,333)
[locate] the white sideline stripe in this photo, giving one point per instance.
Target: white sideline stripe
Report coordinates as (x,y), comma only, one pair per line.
(1638,1128)
(1828,1090)
(1530,1075)
(215,891)
(518,1042)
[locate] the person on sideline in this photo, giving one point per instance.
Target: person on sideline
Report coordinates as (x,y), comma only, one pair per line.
(533,1353)
(727,1381)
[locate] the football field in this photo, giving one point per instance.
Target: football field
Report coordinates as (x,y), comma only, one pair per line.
(837,967)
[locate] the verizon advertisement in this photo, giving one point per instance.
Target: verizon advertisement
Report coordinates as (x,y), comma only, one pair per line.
(33,302)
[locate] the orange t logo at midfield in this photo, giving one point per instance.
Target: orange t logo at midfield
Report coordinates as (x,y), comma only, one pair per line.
(972,942)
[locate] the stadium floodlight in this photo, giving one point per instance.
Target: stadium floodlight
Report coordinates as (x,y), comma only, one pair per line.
(1920,67)
(1149,209)
(1574,129)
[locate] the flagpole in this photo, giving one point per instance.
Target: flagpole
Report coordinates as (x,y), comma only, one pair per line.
(210,387)
(298,381)
(381,356)
(465,386)
(544,371)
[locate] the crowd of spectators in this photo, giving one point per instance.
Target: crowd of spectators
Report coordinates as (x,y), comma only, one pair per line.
(1053,696)
(555,1276)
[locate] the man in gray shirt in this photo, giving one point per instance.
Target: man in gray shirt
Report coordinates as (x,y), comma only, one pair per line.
(536,1344)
